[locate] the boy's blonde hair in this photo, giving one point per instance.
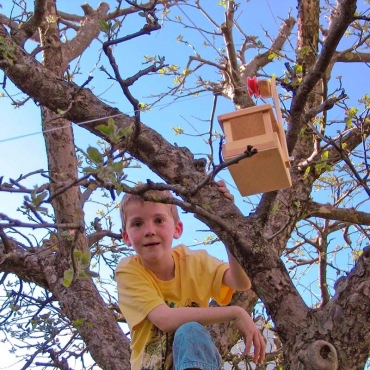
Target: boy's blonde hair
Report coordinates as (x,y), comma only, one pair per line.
(131,198)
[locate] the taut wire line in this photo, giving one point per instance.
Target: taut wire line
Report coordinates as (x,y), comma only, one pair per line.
(98,119)
(58,128)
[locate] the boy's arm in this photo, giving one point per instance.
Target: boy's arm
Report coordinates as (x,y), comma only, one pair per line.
(235,277)
(169,319)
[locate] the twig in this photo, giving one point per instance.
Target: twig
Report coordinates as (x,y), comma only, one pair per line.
(249,152)
(17,223)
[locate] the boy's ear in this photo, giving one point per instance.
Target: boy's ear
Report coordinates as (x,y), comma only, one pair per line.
(126,239)
(179,227)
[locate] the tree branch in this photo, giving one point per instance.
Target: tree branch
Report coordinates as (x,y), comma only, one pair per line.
(261,60)
(88,31)
(329,212)
(344,17)
(29,28)
(93,238)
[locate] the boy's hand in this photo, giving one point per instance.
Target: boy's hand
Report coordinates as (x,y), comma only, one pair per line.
(251,336)
(224,190)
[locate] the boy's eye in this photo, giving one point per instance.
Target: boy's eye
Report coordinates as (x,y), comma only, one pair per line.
(159,220)
(136,224)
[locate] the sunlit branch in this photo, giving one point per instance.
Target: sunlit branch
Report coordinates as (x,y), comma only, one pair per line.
(260,60)
(327,211)
(29,28)
(88,30)
(210,139)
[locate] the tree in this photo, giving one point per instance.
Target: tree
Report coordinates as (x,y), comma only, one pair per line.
(289,228)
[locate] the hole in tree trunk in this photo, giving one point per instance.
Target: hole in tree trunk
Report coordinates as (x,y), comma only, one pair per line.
(324,351)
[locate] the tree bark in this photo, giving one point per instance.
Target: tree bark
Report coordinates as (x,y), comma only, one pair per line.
(81,300)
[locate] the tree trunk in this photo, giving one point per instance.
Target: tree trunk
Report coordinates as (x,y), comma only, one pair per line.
(81,300)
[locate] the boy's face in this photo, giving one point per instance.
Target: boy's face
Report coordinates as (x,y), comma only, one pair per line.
(150,229)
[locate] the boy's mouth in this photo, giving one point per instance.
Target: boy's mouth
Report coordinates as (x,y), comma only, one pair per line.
(150,244)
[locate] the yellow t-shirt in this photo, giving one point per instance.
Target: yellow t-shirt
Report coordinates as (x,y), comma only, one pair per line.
(198,277)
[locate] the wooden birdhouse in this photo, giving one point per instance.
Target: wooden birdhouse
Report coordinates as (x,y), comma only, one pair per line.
(258,126)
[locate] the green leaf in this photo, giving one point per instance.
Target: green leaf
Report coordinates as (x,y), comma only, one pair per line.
(207,207)
(104,129)
(124,132)
(178,130)
(348,121)
(85,258)
(34,323)
(77,254)
(68,278)
(325,155)
(116,25)
(40,197)
(66,234)
(94,155)
(307,173)
(298,68)
(90,170)
(104,26)
(118,166)
(111,123)
(78,322)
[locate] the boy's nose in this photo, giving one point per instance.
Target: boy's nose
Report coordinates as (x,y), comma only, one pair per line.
(149,231)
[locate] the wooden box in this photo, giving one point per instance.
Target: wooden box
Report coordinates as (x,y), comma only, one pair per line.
(268,170)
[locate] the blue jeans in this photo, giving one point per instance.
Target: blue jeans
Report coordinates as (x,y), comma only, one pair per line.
(193,348)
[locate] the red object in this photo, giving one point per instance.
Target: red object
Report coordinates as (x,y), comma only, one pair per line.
(252,84)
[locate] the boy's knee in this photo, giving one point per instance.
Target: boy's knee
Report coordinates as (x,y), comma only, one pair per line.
(190,329)
(193,348)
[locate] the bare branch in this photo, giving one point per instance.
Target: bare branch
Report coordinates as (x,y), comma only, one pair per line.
(29,28)
(95,237)
(17,223)
(329,212)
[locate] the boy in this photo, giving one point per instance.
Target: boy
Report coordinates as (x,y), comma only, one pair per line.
(164,292)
